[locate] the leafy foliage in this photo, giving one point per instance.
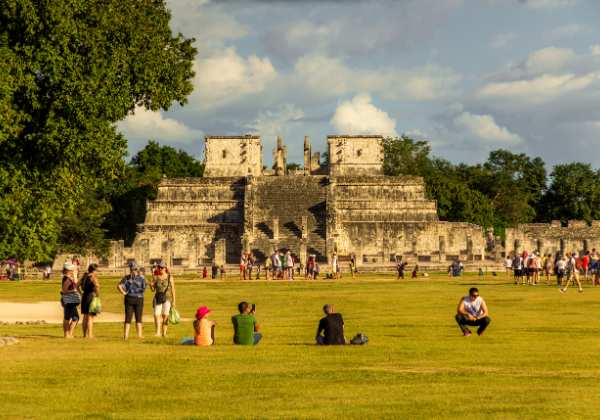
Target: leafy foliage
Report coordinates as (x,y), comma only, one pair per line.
(70,69)
(139,183)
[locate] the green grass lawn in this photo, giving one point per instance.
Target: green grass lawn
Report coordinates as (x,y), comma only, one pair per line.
(540,357)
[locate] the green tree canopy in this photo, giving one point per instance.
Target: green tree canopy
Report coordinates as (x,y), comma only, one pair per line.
(139,183)
(573,193)
(70,69)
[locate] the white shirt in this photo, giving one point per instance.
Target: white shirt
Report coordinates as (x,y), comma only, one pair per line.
(473,307)
(508,262)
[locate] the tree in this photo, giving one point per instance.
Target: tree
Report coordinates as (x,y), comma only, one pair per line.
(139,184)
(456,200)
(70,69)
(573,193)
(405,156)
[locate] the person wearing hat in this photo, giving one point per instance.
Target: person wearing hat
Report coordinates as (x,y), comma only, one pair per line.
(204,328)
(163,287)
(89,288)
(332,327)
(132,287)
(70,299)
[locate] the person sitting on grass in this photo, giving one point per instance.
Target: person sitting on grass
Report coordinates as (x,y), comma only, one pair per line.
(332,327)
(245,326)
(472,311)
(204,329)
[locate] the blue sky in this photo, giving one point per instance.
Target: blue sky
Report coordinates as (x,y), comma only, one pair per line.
(470,76)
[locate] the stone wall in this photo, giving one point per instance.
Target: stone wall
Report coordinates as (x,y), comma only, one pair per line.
(379,217)
(188,218)
(227,156)
(550,238)
(355,155)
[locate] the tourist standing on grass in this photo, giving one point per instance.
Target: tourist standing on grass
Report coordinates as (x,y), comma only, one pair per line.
(163,286)
(547,267)
(243,267)
(70,300)
(276,265)
(335,267)
(508,265)
(132,287)
(572,273)
(517,266)
(90,289)
(353,265)
(561,270)
(472,311)
(585,265)
(289,263)
(245,327)
(331,328)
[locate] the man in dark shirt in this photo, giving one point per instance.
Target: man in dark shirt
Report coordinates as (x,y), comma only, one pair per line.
(332,327)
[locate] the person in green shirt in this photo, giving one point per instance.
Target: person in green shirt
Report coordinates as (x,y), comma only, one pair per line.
(245,326)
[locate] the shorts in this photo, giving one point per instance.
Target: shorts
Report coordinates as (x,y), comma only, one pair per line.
(518,272)
(134,305)
(242,267)
(162,308)
(70,312)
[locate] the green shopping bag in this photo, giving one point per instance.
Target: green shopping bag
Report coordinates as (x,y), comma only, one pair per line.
(95,306)
(174,316)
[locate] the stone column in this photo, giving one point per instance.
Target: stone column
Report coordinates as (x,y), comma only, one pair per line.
(220,252)
(442,249)
(517,246)
(470,248)
(303,252)
(307,156)
(276,229)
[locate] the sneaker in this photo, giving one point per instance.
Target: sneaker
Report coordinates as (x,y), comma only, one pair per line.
(466,333)
(561,290)
(580,290)
(480,333)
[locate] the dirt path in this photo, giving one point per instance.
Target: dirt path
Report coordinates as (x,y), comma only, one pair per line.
(51,312)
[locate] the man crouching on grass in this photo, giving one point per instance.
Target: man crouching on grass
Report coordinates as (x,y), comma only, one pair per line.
(472,311)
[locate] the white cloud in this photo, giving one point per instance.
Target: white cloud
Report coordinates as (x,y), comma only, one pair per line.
(360,116)
(148,125)
(503,40)
(548,4)
(484,127)
(548,59)
(539,89)
(278,122)
(226,76)
(208,22)
(595,49)
(326,75)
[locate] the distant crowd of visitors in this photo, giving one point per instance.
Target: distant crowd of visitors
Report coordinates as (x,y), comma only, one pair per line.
(531,268)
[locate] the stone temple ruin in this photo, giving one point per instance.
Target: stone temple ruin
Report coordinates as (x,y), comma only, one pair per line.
(345,206)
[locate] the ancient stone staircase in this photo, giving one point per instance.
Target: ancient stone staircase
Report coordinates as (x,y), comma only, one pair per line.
(289,199)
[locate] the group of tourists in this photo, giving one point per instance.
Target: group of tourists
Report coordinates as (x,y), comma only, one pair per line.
(85,292)
(531,268)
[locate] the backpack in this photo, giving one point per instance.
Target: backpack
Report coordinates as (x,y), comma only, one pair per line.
(359,339)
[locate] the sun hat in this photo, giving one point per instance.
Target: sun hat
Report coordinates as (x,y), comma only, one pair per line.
(69,266)
(162,264)
(202,311)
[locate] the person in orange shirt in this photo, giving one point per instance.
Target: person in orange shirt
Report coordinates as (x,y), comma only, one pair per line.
(204,329)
